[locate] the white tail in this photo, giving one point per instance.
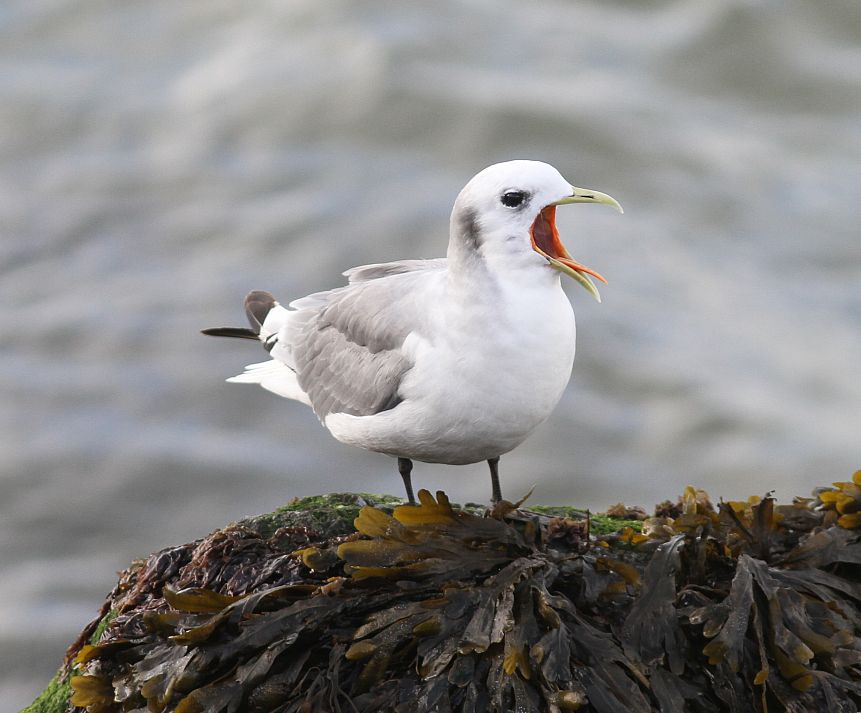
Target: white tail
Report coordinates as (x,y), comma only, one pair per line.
(273,376)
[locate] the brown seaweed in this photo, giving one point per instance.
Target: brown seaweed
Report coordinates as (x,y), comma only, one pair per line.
(747,607)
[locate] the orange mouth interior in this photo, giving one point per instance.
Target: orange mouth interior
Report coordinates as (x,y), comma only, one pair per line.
(545,241)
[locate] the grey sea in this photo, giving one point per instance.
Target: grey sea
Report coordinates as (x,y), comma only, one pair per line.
(160,159)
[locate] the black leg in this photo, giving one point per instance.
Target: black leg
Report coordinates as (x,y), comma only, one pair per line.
(494,479)
(405,467)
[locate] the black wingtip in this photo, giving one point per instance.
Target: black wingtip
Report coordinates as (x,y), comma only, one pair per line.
(257,306)
(236,332)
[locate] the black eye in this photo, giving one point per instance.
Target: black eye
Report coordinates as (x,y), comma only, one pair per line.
(512,199)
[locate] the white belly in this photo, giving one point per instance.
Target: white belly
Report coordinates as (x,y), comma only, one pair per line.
(480,385)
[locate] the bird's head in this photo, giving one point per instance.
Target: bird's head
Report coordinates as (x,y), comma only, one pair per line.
(510,209)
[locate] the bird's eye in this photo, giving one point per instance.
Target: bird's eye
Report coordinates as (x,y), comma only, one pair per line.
(512,199)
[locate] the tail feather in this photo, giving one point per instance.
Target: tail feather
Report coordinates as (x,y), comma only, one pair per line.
(268,320)
(273,376)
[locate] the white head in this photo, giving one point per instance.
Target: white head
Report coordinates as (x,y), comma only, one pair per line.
(507,212)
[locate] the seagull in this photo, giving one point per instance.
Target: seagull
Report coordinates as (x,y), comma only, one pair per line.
(450,360)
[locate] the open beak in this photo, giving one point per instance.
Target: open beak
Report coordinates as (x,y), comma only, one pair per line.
(546,242)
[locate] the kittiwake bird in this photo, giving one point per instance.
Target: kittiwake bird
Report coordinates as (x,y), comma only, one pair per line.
(452,360)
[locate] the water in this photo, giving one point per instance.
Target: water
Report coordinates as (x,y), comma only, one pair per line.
(160,159)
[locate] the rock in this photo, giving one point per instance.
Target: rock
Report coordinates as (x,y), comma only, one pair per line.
(435,608)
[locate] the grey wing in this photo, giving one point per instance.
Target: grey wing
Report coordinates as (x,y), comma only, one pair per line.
(346,344)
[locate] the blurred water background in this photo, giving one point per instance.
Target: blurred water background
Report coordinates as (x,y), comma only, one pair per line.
(160,159)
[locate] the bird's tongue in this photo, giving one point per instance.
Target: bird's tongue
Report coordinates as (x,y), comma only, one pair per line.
(545,240)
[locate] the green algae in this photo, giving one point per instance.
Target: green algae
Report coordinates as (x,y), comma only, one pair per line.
(605,524)
(102,625)
(329,515)
(333,514)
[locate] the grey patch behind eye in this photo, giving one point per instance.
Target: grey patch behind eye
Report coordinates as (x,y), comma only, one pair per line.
(470,230)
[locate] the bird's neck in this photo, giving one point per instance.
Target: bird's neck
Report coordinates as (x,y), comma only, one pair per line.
(480,257)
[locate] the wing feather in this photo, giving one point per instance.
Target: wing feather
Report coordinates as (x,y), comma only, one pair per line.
(346,344)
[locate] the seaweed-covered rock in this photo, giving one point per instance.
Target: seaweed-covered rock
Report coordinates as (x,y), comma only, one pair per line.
(745,607)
